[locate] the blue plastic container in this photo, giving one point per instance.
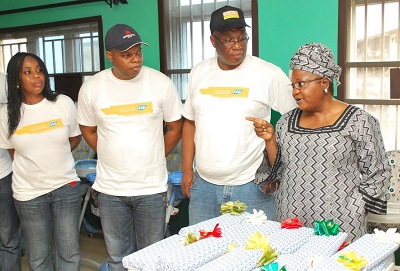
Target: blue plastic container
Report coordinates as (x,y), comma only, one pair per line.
(175,178)
(84,167)
(91,177)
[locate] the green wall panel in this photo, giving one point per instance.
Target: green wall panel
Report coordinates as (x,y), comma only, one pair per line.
(285,25)
(140,14)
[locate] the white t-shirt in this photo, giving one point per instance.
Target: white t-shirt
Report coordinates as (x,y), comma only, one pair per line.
(129,117)
(228,152)
(43,160)
(5,160)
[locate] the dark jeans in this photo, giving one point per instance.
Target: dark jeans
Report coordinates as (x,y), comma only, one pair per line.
(10,255)
(52,219)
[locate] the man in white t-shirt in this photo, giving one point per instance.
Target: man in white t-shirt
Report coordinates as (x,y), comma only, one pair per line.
(10,254)
(222,91)
(121,112)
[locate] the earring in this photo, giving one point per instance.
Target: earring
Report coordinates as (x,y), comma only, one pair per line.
(326,90)
(17,86)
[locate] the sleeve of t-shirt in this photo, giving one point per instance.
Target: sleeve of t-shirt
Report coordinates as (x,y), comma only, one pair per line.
(187,110)
(5,142)
(172,105)
(280,93)
(85,113)
(74,126)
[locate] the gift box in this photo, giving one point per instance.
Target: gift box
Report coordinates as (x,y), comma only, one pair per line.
(170,254)
(287,241)
(384,264)
(243,230)
(225,222)
(321,246)
(373,251)
(237,259)
(293,262)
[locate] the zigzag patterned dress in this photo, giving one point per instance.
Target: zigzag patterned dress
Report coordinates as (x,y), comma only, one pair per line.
(335,172)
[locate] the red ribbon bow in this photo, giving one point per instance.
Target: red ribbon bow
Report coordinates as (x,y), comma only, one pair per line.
(343,245)
(217,232)
(291,223)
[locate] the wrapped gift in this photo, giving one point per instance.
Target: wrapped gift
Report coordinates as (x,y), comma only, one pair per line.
(237,259)
(226,222)
(331,264)
(321,246)
(373,251)
(327,264)
(243,230)
(287,241)
(169,254)
(384,264)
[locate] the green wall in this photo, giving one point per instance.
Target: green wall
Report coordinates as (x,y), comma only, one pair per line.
(285,25)
(140,14)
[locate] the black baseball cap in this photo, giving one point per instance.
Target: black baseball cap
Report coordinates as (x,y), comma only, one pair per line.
(122,37)
(226,18)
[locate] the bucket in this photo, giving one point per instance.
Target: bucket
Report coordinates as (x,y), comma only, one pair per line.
(84,167)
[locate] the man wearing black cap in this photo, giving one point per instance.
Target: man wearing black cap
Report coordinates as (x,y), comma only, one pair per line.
(222,91)
(121,112)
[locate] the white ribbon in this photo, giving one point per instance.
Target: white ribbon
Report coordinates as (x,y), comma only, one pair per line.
(257,218)
(386,237)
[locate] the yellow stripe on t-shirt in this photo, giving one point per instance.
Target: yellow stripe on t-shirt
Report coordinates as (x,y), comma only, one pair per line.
(129,109)
(40,127)
(226,92)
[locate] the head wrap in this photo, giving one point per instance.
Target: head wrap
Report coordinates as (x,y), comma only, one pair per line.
(317,59)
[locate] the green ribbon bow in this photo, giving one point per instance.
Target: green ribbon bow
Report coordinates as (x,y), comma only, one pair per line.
(272,267)
(327,228)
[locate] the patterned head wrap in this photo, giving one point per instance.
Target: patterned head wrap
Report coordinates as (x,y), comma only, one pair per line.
(317,59)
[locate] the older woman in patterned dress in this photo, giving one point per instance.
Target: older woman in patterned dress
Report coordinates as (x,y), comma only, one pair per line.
(327,157)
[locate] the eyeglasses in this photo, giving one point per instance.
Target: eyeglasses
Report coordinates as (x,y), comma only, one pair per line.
(302,84)
(230,43)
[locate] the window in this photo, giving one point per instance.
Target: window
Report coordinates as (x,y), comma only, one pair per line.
(67,47)
(185,32)
(368,51)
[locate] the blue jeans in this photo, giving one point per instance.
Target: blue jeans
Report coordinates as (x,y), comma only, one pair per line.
(52,219)
(206,199)
(10,254)
(130,224)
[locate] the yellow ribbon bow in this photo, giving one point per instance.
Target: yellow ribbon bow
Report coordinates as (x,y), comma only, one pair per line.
(261,241)
(351,261)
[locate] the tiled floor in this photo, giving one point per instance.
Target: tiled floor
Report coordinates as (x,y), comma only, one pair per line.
(92,249)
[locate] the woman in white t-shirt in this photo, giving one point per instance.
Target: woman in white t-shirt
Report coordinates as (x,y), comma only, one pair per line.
(39,130)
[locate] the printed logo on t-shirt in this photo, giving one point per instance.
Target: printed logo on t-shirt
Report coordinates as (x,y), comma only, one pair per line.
(129,109)
(40,127)
(226,92)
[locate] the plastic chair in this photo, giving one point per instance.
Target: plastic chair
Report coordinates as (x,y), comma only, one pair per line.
(174,195)
(88,167)
(392,218)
